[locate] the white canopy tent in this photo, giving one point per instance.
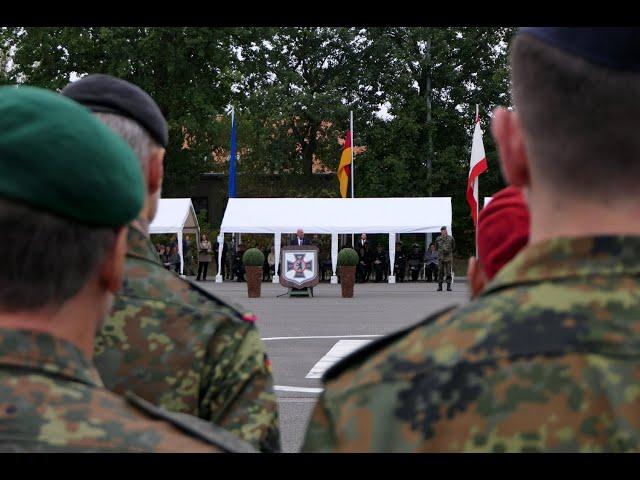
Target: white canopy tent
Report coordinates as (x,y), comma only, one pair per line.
(334,216)
(176,215)
(487,200)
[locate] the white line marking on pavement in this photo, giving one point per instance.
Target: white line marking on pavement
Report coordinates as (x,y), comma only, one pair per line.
(321,336)
(283,388)
(340,350)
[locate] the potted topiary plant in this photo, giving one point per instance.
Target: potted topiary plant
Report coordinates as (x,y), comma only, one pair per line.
(347,261)
(253,260)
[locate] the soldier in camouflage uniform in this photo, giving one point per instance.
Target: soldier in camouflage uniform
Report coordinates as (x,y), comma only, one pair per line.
(71,184)
(546,358)
(168,340)
(446,245)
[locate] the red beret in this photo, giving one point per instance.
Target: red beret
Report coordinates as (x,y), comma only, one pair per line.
(503,229)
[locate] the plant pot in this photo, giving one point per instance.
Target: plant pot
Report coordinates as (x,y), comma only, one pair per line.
(254,281)
(347,280)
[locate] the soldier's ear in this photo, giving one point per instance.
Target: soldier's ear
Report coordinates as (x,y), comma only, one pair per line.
(507,133)
(112,268)
(155,170)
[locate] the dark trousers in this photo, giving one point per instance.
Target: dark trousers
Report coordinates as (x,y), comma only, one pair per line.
(400,270)
(379,269)
(431,272)
(444,270)
(362,273)
(202,270)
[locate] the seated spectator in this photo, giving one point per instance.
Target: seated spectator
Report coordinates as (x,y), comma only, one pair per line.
(415,262)
(400,266)
(379,263)
(173,260)
(431,263)
(163,255)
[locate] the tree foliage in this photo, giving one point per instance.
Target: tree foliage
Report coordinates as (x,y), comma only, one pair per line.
(293,88)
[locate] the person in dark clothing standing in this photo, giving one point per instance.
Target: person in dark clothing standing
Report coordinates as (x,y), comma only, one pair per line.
(238,266)
(204,257)
(300,240)
(364,265)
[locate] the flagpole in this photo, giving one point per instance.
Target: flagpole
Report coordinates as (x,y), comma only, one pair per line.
(352,166)
(478,188)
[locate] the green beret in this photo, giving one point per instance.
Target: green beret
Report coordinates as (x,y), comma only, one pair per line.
(57,157)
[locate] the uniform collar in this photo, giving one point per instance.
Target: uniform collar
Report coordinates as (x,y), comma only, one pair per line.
(47,354)
(140,246)
(565,258)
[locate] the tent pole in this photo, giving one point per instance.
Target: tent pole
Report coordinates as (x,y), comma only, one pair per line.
(334,257)
(392,257)
(181,253)
(220,247)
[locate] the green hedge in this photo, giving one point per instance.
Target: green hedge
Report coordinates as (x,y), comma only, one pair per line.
(348,257)
(253,258)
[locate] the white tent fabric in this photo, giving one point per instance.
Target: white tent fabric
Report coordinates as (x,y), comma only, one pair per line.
(336,216)
(487,200)
(176,215)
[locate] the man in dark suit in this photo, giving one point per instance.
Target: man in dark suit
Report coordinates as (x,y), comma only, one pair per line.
(299,240)
(362,241)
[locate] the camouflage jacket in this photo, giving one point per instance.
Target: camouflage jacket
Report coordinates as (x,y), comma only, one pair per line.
(546,359)
(180,347)
(446,246)
(52,400)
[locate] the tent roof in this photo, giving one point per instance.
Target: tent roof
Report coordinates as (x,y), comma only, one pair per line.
(175,215)
(337,215)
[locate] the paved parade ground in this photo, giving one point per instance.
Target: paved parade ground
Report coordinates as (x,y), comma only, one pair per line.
(303,336)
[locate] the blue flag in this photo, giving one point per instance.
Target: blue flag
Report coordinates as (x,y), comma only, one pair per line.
(232,158)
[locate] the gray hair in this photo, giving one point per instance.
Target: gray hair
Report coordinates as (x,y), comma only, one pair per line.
(132,132)
(47,259)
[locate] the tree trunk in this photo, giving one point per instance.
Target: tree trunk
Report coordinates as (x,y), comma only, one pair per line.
(308,150)
(429,126)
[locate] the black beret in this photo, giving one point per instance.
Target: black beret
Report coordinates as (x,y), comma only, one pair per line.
(46,141)
(616,47)
(106,94)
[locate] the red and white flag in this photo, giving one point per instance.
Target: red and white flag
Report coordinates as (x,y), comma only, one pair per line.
(477,166)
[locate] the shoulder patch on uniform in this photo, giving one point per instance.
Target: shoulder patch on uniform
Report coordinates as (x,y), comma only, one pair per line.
(249,317)
(194,426)
(376,345)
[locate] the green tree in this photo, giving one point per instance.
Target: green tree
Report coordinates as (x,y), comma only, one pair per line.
(186,71)
(300,83)
(432,78)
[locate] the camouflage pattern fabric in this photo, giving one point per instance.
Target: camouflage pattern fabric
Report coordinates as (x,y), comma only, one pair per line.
(52,400)
(545,360)
(444,270)
(179,347)
(446,245)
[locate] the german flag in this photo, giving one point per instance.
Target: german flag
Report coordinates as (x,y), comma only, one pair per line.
(344,169)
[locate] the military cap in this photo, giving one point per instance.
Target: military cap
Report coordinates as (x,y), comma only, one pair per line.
(57,157)
(106,94)
(611,47)
(503,229)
